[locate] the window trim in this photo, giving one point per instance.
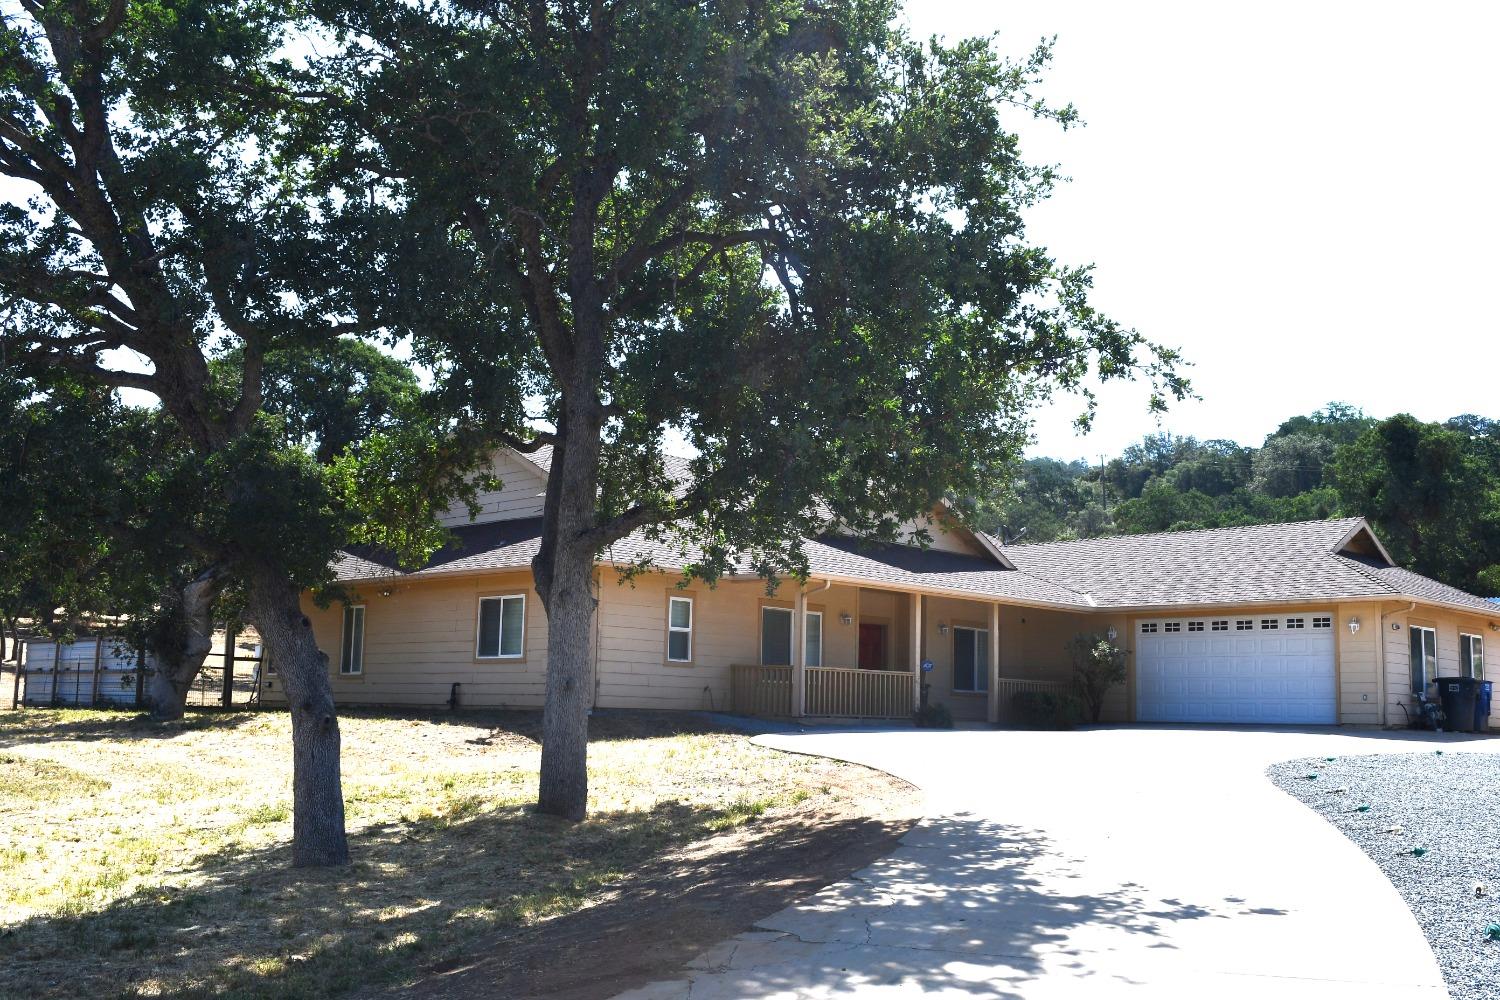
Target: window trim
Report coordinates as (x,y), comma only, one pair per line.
(344,639)
(671,629)
(500,638)
(981,669)
(1427,677)
(1463,644)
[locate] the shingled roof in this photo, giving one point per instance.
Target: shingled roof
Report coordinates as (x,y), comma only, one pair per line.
(1254,564)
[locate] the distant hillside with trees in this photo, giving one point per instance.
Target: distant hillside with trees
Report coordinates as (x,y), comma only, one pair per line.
(1432,490)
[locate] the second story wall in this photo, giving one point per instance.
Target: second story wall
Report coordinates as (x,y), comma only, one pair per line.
(521,494)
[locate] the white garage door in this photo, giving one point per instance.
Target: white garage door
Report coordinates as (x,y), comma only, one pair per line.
(1239,668)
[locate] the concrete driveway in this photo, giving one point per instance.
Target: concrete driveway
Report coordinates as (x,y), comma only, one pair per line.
(1124,862)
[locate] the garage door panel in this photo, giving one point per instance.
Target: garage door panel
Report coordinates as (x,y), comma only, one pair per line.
(1270,670)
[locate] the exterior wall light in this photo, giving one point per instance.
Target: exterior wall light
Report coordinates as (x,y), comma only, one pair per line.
(1112,633)
(846,618)
(1353,625)
(942,628)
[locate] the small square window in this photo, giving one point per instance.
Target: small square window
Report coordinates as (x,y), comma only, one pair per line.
(1243,624)
(1148,628)
(1222,625)
(1296,623)
(1270,624)
(1195,626)
(1322,621)
(1172,627)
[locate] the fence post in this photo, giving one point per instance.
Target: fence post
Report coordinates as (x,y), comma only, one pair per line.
(15,691)
(226,698)
(98,657)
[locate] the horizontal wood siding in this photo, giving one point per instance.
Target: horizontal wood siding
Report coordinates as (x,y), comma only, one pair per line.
(521,494)
(1358,668)
(633,668)
(1448,626)
(419,642)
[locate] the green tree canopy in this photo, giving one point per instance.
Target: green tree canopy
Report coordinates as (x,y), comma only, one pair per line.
(787,232)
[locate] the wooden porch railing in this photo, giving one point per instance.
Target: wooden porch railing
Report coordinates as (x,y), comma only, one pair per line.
(1009,687)
(758,690)
(859,694)
(832,692)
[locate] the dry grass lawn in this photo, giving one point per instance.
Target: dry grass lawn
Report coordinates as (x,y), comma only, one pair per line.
(142,860)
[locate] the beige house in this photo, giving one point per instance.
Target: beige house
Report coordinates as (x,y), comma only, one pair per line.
(1307,623)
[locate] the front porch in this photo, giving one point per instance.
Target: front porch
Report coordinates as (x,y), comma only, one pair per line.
(852,693)
(889,635)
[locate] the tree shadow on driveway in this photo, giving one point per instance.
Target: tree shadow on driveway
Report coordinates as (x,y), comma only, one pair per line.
(967,906)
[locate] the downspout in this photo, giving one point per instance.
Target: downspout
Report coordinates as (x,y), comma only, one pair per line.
(1383,686)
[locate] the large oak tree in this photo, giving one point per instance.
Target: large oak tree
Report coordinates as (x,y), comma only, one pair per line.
(154,237)
(781,229)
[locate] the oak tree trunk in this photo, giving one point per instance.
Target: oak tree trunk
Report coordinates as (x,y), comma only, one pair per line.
(182,644)
(564,570)
(275,608)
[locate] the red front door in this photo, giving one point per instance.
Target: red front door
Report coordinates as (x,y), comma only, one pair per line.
(871,647)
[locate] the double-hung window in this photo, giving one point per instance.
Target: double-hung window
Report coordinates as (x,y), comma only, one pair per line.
(1423,657)
(501,632)
(1471,656)
(813,642)
(352,645)
(776,636)
(971,659)
(777,641)
(679,630)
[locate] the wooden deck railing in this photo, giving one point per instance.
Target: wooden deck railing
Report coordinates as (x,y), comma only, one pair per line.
(1009,687)
(758,690)
(859,694)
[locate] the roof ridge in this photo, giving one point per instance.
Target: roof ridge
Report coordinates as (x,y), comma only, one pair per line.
(1369,574)
(1182,534)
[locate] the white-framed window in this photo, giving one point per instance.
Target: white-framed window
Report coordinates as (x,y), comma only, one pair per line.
(1270,624)
(680,629)
(775,636)
(813,641)
(1423,657)
(500,633)
(1195,626)
(1296,623)
(1148,628)
(1322,621)
(1221,625)
(352,645)
(1243,624)
(1172,627)
(971,659)
(1471,655)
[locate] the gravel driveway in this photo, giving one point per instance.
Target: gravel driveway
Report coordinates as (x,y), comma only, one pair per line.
(1431,821)
(1151,862)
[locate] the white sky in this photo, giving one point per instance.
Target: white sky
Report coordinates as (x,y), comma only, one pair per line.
(1303,197)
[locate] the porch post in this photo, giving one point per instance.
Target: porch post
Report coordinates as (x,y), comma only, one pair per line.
(993,712)
(799,654)
(916,652)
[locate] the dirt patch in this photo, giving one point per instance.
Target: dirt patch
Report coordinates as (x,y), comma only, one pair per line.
(660,917)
